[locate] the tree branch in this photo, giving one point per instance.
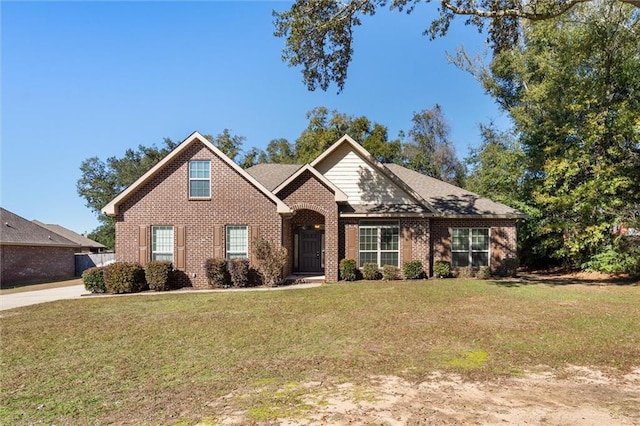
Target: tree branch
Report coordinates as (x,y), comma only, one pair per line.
(520,12)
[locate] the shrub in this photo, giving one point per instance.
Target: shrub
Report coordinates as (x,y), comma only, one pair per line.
(239,272)
(441,269)
(508,267)
(124,277)
(370,271)
(348,269)
(413,270)
(93,279)
(270,260)
(465,272)
(390,272)
(217,273)
(615,261)
(159,275)
(484,273)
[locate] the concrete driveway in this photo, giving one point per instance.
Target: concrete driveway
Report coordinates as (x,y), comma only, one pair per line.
(25,298)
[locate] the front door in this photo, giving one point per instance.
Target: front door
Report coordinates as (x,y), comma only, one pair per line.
(311,251)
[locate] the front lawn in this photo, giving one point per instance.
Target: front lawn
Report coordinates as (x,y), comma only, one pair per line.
(172,358)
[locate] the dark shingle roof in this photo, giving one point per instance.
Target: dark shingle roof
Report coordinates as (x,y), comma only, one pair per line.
(20,231)
(450,199)
(271,175)
(70,235)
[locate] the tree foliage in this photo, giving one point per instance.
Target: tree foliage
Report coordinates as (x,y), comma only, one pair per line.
(319,33)
(429,149)
(573,92)
(101,181)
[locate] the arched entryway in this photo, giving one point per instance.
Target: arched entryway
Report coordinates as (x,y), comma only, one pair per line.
(308,234)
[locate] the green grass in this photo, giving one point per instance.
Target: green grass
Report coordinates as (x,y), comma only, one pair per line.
(173,358)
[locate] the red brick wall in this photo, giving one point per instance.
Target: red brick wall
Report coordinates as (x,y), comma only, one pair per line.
(307,194)
(26,264)
(165,201)
(502,232)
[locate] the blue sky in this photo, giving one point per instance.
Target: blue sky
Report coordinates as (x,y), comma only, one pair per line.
(83,79)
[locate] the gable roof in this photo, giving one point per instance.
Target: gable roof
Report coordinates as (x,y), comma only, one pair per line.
(71,235)
(17,230)
(272,174)
(450,200)
(370,159)
(111,209)
(339,195)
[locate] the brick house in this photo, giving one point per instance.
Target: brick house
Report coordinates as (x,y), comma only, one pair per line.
(31,253)
(196,204)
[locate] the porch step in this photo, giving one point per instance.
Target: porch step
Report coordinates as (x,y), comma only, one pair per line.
(304,279)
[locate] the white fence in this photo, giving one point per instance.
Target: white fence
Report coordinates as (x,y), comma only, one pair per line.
(85,261)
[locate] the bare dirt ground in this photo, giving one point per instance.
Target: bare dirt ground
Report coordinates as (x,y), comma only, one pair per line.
(574,396)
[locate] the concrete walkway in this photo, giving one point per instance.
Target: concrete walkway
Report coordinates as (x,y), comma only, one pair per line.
(26,298)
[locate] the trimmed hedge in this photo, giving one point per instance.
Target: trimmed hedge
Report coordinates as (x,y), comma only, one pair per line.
(370,271)
(217,273)
(159,274)
(484,273)
(390,272)
(239,272)
(93,279)
(124,277)
(508,267)
(348,269)
(442,269)
(413,270)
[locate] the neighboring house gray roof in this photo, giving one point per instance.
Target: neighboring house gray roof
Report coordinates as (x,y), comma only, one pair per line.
(271,175)
(449,199)
(71,235)
(16,230)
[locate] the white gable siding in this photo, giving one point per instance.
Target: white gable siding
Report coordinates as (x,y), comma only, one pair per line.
(359,180)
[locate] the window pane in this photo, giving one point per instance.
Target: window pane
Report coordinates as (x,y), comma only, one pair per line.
(480,239)
(199,188)
(459,259)
(368,257)
(389,258)
(389,238)
(199,179)
(368,239)
(162,243)
(199,169)
(460,239)
(480,259)
(237,242)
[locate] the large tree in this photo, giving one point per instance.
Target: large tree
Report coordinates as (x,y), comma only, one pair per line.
(325,127)
(429,149)
(319,33)
(102,181)
(573,91)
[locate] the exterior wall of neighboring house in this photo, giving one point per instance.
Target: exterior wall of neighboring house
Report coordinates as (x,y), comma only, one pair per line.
(311,199)
(199,224)
(23,264)
(502,234)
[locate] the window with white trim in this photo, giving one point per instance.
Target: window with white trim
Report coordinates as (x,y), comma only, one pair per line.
(379,243)
(237,241)
(162,243)
(199,179)
(469,247)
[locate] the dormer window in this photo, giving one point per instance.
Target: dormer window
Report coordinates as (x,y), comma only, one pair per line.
(200,179)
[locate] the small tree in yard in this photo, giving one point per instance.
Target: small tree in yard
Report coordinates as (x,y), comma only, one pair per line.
(270,260)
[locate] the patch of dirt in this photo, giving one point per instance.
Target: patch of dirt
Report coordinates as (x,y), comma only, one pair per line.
(573,396)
